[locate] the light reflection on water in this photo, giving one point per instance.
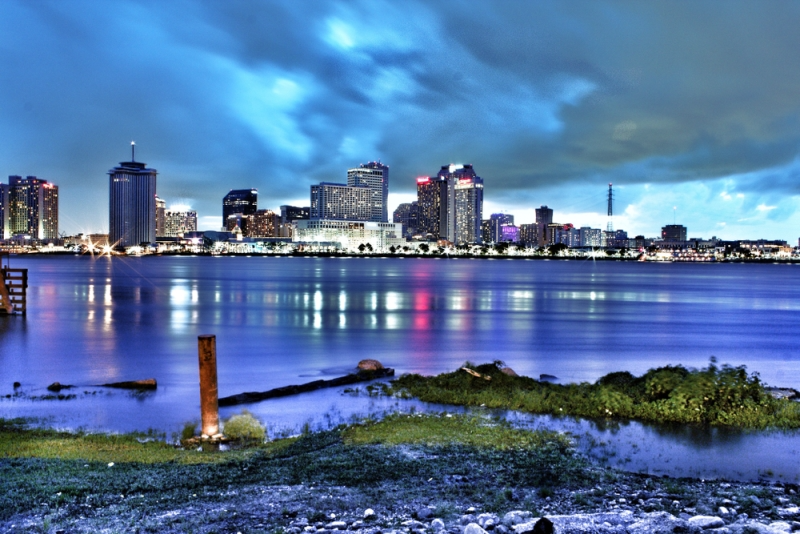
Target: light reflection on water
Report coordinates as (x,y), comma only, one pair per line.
(279,319)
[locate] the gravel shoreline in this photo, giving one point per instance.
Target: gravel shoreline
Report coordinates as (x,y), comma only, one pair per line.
(457,501)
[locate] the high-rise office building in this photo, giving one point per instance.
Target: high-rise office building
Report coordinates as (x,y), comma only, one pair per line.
(591,237)
(5,229)
(32,205)
(290,214)
(544,217)
(340,202)
(406,214)
(673,232)
(132,203)
(496,222)
(239,202)
(464,204)
(177,223)
(432,206)
(161,208)
(375,176)
(529,234)
(266,223)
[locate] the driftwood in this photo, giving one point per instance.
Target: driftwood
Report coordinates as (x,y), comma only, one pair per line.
(147,383)
(476,374)
(254,396)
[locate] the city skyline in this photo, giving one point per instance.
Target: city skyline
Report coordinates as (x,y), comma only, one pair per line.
(687,106)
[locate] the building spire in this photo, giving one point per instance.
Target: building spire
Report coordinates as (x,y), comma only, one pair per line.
(133,151)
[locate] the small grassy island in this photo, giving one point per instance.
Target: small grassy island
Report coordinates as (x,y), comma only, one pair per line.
(714,395)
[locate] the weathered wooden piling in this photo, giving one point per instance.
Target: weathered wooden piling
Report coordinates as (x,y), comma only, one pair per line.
(209,406)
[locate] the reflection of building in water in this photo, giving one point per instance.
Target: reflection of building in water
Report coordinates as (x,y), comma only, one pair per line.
(349,235)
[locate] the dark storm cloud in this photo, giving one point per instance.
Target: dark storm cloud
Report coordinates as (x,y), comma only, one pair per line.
(545,98)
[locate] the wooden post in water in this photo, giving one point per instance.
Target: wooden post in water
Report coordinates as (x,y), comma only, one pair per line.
(209,407)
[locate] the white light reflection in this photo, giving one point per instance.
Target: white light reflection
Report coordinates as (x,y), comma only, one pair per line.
(342,321)
(91,293)
(342,301)
(107,295)
(317,320)
(392,301)
(318,300)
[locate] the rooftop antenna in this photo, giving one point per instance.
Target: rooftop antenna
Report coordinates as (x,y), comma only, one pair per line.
(133,151)
(674,211)
(610,227)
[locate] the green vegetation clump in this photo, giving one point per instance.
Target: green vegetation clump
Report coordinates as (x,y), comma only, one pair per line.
(245,427)
(725,396)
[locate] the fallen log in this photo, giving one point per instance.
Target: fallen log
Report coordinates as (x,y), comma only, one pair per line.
(285,391)
(147,383)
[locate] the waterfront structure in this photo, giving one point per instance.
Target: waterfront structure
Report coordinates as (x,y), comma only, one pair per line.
(161,208)
(348,235)
(590,237)
(529,234)
(340,202)
(374,176)
(544,217)
(239,202)
(432,206)
(673,232)
(407,214)
(31,208)
(132,203)
(464,204)
(179,223)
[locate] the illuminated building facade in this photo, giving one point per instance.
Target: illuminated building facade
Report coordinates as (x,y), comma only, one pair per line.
(30,208)
(496,222)
(179,223)
(348,235)
(464,204)
(544,217)
(340,202)
(591,237)
(239,201)
(375,177)
(132,204)
(406,214)
(161,208)
(529,234)
(266,223)
(673,232)
(5,229)
(432,206)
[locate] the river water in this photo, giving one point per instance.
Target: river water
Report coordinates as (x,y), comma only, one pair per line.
(287,320)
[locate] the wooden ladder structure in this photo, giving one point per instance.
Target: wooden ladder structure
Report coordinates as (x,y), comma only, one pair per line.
(13,289)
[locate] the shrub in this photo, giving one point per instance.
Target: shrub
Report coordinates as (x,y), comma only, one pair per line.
(245,427)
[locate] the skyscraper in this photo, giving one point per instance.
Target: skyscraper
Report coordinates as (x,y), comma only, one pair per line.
(32,207)
(161,208)
(432,206)
(406,214)
(464,204)
(132,203)
(375,176)
(544,216)
(496,222)
(5,229)
(239,201)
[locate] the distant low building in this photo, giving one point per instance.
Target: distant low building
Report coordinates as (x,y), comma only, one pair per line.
(349,234)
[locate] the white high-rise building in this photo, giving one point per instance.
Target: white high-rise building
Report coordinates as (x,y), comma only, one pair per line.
(464,204)
(375,176)
(341,202)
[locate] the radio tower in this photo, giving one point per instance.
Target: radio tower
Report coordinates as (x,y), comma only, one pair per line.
(610,226)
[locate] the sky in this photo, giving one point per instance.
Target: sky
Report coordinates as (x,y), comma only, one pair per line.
(691,109)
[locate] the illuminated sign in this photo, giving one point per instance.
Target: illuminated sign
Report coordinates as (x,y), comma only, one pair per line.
(423,179)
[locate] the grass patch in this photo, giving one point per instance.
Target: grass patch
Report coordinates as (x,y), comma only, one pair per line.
(725,396)
(449,429)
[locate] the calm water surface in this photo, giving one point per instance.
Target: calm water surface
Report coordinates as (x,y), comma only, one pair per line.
(282,321)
